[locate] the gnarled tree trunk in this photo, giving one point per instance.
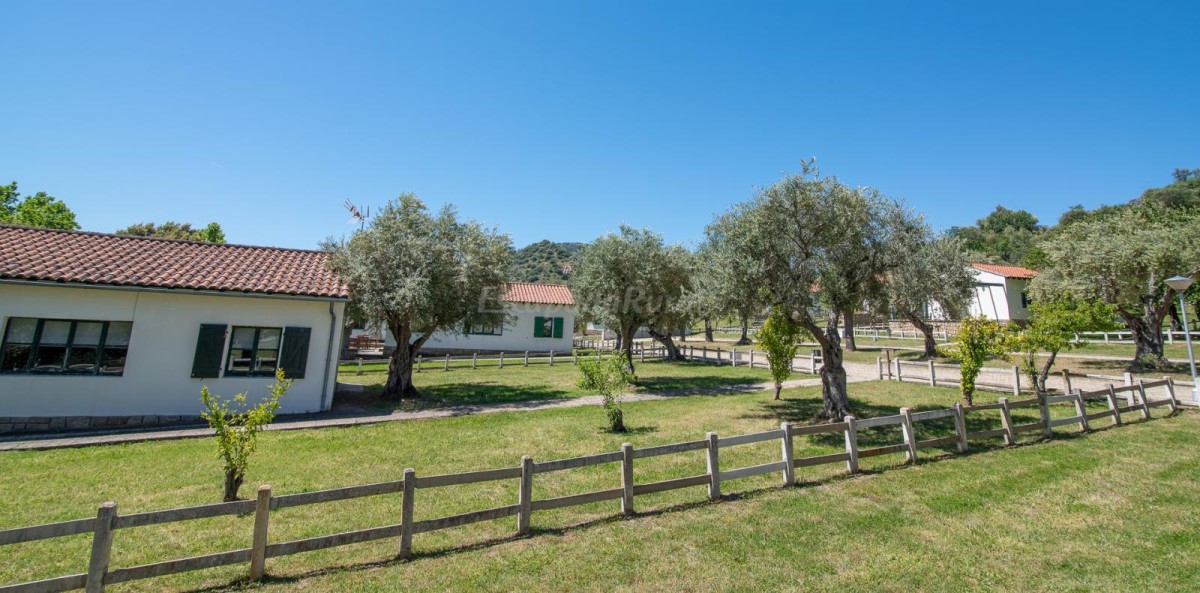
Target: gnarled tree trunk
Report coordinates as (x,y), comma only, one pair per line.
(848,322)
(834,393)
(926,330)
(400,365)
(668,343)
(745,339)
(233,483)
(708,330)
(626,349)
(1147,332)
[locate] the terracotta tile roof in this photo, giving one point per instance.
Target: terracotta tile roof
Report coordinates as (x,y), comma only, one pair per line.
(1017,272)
(539,294)
(97,258)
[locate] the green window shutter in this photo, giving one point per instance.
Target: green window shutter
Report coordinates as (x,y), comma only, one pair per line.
(558,327)
(210,349)
(538,322)
(294,358)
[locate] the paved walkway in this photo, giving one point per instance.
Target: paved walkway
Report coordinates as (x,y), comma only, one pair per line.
(306,421)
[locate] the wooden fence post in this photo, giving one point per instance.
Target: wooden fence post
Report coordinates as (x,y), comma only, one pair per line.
(575,357)
(526,496)
(879,366)
(851,444)
(258,549)
(102,537)
(751,358)
(704,353)
(551,358)
(960,427)
(1066,374)
(714,468)
(718,356)
(910,437)
(789,465)
(1171,393)
(627,479)
(1016,374)
(887,354)
(446,367)
(812,364)
(1082,410)
(474,360)
(1010,437)
(1112,405)
(419,360)
(501,359)
(406,513)
(1044,414)
(1145,403)
(899,371)
(932,376)
(359,366)
(642,354)
(526,358)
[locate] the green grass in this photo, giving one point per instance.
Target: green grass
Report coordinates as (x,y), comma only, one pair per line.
(1110,510)
(489,384)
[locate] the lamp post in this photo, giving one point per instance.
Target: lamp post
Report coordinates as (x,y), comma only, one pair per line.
(1180,285)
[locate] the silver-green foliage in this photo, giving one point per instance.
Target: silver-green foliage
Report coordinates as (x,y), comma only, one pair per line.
(421,273)
(930,271)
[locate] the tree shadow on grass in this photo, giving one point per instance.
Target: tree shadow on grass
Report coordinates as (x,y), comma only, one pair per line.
(446,395)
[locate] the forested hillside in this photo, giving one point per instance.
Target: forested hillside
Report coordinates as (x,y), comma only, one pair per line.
(544,261)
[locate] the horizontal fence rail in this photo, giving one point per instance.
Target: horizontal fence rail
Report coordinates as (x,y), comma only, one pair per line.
(910,443)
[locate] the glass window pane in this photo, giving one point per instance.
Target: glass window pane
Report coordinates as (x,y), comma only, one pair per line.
(239,360)
(243,338)
(49,359)
(114,361)
(82,360)
(118,333)
(21,330)
(14,357)
(55,332)
(267,360)
(87,333)
(268,338)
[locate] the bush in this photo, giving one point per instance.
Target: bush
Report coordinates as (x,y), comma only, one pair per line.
(236,430)
(607,377)
(978,339)
(780,338)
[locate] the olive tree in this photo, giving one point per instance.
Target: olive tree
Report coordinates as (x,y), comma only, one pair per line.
(734,280)
(1122,259)
(630,280)
(1051,330)
(931,271)
(420,273)
(822,246)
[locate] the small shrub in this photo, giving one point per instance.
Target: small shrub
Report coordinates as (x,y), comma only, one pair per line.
(780,338)
(606,377)
(236,430)
(978,339)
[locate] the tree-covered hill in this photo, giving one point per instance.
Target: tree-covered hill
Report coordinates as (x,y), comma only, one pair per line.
(544,261)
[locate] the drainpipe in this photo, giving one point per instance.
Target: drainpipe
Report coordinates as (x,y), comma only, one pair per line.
(328,356)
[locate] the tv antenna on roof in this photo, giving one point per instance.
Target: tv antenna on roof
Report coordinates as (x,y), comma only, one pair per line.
(357,214)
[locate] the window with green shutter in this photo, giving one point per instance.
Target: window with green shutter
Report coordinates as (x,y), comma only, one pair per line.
(558,327)
(539,323)
(547,327)
(210,348)
(294,358)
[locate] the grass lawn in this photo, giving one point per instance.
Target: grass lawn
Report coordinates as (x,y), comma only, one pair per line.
(489,384)
(1110,510)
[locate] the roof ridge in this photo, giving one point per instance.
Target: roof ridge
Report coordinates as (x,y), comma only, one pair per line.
(159,239)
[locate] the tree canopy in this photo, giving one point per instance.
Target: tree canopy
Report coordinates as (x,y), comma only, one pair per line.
(419,274)
(39,210)
(211,233)
(632,279)
(734,282)
(930,272)
(1004,236)
(825,248)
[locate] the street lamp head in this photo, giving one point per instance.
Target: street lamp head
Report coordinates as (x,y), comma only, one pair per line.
(1179,283)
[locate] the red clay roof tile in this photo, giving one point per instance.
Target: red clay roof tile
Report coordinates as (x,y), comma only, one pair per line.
(97,258)
(539,294)
(1017,272)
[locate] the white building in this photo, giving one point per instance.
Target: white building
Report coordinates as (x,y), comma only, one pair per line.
(1000,292)
(541,319)
(105,330)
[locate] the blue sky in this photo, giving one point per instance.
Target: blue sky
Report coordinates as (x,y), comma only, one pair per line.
(561,120)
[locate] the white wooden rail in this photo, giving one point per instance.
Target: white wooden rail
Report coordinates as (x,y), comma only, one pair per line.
(107,520)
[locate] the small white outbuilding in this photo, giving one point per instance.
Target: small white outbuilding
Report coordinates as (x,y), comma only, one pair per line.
(1000,291)
(108,330)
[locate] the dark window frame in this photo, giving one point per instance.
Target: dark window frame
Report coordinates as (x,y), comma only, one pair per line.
(229,372)
(36,344)
(496,330)
(539,326)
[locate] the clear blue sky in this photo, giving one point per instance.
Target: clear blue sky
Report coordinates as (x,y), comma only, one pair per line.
(560,120)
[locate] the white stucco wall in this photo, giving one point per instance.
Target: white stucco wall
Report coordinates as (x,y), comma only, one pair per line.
(517,335)
(997,297)
(157,377)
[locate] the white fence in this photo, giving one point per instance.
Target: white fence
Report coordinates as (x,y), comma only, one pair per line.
(108,521)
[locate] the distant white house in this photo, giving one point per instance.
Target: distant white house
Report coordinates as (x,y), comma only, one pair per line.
(1000,292)
(106,330)
(541,318)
